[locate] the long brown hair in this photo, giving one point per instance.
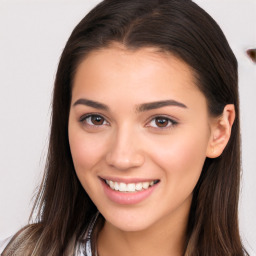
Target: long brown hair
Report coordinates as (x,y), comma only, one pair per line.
(184,29)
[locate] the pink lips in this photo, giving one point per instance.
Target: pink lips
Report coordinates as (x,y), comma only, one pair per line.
(127,198)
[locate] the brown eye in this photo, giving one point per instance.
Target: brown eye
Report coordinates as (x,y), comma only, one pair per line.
(97,120)
(94,120)
(162,122)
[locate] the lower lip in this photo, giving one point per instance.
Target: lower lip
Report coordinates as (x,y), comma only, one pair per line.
(127,197)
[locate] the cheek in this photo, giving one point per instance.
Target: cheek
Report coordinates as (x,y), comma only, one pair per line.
(182,157)
(86,150)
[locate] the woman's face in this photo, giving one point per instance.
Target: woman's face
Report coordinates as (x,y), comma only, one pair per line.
(139,134)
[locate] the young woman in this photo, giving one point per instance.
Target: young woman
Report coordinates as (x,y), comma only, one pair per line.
(144,153)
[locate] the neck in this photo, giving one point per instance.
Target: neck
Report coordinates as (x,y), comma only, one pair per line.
(165,237)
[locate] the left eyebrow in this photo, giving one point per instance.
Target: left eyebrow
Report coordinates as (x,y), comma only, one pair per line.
(91,103)
(159,104)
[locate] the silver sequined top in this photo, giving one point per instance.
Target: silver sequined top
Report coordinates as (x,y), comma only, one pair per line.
(86,249)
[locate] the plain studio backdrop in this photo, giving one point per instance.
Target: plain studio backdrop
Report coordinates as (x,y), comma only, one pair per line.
(32,36)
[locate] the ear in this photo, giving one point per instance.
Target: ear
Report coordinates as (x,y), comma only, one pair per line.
(220,132)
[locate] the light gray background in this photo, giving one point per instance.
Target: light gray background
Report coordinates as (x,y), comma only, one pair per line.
(32,36)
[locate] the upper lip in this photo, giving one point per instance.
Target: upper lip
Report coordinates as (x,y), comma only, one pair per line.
(128,180)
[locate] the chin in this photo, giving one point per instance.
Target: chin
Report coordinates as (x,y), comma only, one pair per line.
(129,222)
(130,227)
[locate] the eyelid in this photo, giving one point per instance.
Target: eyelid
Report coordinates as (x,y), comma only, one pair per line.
(170,119)
(85,116)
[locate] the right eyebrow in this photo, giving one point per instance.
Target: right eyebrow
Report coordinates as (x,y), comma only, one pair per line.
(91,103)
(159,104)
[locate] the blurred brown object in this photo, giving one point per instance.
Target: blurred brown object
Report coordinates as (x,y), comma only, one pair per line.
(252,54)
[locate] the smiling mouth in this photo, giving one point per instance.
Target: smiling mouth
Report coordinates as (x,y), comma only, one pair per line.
(130,187)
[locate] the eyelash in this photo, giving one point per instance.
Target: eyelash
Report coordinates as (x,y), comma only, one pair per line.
(171,122)
(84,119)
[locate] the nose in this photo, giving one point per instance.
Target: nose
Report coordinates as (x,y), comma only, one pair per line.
(125,151)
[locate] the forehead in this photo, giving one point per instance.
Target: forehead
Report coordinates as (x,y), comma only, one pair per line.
(118,56)
(143,73)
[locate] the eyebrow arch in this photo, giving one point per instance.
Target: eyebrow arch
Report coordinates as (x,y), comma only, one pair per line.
(141,108)
(159,104)
(91,103)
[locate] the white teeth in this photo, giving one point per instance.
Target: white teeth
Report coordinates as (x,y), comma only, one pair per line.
(122,187)
(116,186)
(139,186)
(130,187)
(145,185)
(111,184)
